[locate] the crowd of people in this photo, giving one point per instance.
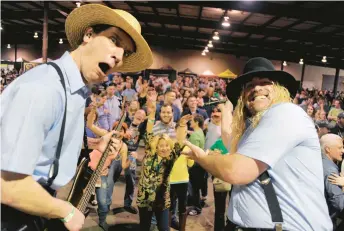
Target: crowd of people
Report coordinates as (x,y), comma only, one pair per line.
(274,151)
(187,185)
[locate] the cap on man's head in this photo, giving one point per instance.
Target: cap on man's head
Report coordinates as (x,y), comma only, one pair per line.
(323,124)
(340,115)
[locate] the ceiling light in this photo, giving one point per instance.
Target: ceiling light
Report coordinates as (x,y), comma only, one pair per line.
(61,41)
(206,49)
(210,44)
(225,22)
(36,35)
(203,53)
(0,27)
(301,61)
(78,4)
(324,59)
(8,46)
(216,35)
(285,63)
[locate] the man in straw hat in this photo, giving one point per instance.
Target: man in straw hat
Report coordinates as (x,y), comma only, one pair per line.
(33,110)
(275,162)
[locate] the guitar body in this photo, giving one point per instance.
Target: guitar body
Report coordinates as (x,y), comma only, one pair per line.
(79,196)
(82,177)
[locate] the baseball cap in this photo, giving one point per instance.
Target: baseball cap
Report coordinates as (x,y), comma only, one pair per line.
(341,115)
(323,124)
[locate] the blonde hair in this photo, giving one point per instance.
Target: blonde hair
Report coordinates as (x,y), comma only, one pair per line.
(155,141)
(240,114)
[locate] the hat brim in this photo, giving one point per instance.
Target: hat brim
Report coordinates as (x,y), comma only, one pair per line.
(235,87)
(92,14)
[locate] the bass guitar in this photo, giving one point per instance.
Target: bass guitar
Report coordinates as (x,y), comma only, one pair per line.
(79,196)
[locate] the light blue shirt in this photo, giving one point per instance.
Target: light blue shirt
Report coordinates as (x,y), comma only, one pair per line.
(31,119)
(286,140)
(114,106)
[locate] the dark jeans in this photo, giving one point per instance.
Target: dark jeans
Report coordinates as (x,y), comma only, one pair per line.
(114,173)
(204,188)
(130,175)
(197,175)
(178,191)
(220,210)
(162,217)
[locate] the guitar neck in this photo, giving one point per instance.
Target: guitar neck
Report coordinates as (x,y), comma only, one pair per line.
(82,205)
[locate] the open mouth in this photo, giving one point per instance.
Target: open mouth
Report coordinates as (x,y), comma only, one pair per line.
(259,97)
(104,67)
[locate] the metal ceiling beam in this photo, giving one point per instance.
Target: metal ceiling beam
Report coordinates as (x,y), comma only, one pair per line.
(255,53)
(300,49)
(248,44)
(300,36)
(65,9)
(269,8)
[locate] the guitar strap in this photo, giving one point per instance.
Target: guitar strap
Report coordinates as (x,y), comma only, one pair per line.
(15,220)
(55,166)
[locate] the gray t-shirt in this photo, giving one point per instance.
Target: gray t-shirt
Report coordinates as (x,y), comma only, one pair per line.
(286,140)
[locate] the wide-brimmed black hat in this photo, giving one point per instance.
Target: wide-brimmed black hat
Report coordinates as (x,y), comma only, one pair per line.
(261,68)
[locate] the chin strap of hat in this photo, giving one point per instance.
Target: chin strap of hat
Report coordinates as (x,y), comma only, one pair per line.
(271,198)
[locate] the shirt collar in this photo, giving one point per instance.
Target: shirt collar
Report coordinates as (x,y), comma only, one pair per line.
(330,161)
(72,73)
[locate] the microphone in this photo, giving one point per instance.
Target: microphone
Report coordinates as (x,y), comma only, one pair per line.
(215,102)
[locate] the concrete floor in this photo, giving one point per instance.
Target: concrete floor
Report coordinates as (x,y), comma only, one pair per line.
(124,221)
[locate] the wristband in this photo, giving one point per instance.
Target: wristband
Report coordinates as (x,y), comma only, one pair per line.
(69,216)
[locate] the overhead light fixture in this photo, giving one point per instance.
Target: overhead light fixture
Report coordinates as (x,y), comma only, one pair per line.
(78,4)
(61,41)
(35,35)
(203,53)
(216,35)
(206,49)
(285,63)
(8,46)
(225,22)
(324,59)
(210,44)
(301,61)
(0,27)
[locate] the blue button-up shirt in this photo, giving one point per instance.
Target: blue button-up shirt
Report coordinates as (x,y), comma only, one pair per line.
(31,118)
(286,140)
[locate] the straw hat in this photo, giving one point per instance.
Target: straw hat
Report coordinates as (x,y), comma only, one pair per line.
(92,14)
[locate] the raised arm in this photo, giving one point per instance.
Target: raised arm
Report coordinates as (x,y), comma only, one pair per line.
(226,122)
(181,131)
(151,108)
(90,124)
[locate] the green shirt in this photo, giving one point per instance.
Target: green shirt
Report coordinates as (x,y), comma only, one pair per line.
(197,138)
(219,146)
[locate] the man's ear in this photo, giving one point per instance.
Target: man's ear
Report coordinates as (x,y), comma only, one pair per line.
(88,35)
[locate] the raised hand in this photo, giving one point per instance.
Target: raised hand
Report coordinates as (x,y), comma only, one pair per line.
(91,117)
(185,119)
(226,107)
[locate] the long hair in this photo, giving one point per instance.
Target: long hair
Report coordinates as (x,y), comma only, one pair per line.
(241,113)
